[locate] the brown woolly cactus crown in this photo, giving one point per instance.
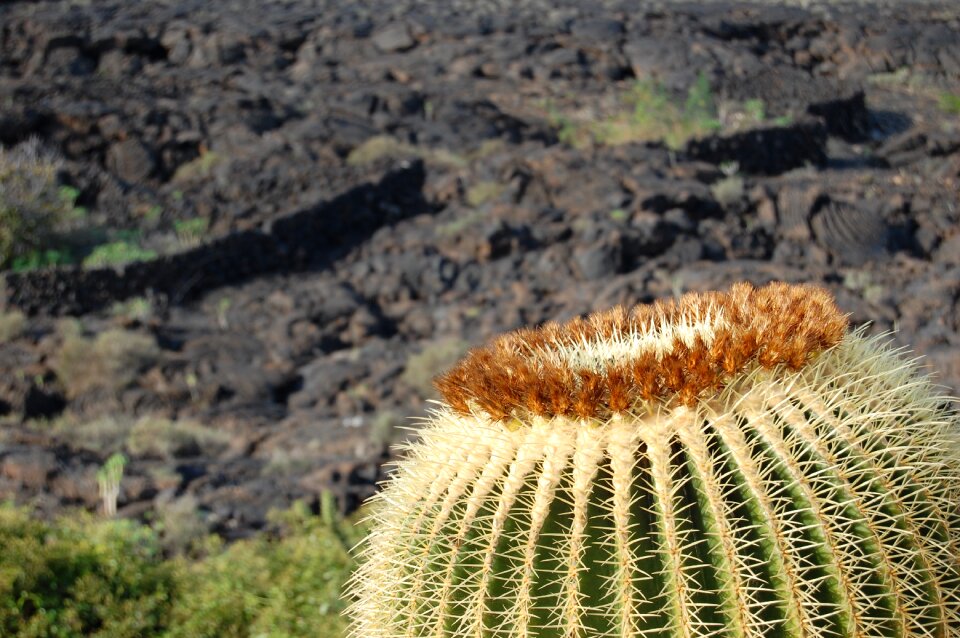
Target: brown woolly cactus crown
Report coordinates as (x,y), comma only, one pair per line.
(615,360)
(729,465)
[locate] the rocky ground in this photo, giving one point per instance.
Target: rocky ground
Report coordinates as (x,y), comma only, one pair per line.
(381,186)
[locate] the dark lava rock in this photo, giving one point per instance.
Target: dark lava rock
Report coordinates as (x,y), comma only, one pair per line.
(31,467)
(852,235)
(765,151)
(131,160)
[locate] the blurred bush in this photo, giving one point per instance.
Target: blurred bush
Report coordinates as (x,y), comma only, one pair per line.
(264,587)
(32,203)
(81,576)
(110,361)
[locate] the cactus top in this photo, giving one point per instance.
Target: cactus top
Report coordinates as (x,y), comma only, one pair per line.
(617,360)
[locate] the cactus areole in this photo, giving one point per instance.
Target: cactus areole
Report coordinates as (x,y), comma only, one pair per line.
(728,464)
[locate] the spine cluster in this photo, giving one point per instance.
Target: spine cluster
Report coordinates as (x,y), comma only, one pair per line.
(612,361)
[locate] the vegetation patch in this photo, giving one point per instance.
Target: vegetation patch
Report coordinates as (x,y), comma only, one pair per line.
(33,205)
(950,103)
(433,359)
(82,576)
(482,192)
(159,437)
(380,147)
(12,325)
(117,253)
(191,232)
(111,361)
(650,113)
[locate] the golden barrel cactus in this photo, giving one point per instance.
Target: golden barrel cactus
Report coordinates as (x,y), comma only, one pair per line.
(729,464)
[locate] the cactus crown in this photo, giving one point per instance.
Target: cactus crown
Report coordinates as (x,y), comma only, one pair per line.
(614,360)
(732,464)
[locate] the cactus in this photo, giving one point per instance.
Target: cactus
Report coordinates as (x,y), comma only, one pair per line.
(728,464)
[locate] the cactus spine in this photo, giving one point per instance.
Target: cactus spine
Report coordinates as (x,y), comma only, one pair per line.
(732,464)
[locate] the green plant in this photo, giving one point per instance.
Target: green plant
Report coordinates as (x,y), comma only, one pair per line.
(42,259)
(950,103)
(108,479)
(198,168)
(81,577)
(729,464)
(655,115)
(116,253)
(191,232)
(181,527)
(264,587)
(755,109)
(619,215)
(729,190)
(32,204)
(135,309)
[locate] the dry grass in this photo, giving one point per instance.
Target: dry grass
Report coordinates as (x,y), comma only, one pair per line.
(12,325)
(110,362)
(155,436)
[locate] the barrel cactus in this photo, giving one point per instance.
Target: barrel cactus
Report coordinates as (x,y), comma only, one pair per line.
(727,464)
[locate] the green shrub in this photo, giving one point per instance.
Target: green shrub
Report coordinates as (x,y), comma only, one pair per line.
(135,309)
(32,204)
(950,103)
(81,577)
(117,253)
(264,587)
(42,259)
(191,232)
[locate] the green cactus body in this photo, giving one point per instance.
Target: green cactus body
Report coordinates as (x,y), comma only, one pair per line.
(734,464)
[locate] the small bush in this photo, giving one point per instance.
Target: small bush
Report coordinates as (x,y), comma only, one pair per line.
(728,191)
(117,253)
(381,147)
(199,168)
(136,309)
(12,325)
(431,361)
(191,232)
(950,103)
(482,192)
(264,587)
(105,435)
(111,361)
(81,577)
(181,526)
(160,437)
(32,204)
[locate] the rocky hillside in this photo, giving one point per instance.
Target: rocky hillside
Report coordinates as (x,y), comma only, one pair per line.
(283,218)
